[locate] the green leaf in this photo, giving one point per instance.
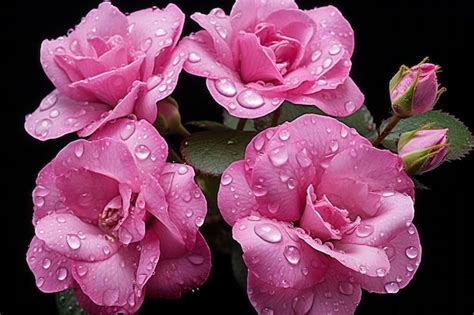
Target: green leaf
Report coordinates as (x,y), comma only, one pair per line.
(459,137)
(232,122)
(207,124)
(209,186)
(67,304)
(238,266)
(419,185)
(361,120)
(211,152)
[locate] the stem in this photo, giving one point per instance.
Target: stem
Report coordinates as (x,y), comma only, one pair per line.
(174,156)
(241,124)
(391,124)
(276,116)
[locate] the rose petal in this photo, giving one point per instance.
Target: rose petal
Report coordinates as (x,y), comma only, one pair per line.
(51,270)
(174,276)
(274,253)
(58,115)
(149,256)
(46,197)
(67,235)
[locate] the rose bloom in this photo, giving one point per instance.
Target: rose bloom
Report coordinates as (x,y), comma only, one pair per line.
(111,65)
(266,52)
(115,222)
(320,213)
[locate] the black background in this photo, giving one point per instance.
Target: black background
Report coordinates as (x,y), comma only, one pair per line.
(388,33)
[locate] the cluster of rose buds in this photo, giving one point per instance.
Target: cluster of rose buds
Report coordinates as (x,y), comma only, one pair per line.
(319,211)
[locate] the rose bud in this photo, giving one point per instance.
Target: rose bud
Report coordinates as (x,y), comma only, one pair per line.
(415,90)
(423,150)
(168,120)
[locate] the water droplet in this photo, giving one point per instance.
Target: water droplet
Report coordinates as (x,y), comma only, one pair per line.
(46,263)
(74,47)
(327,63)
(225,87)
(363,269)
(273,207)
(304,271)
(411,229)
(322,82)
(226,180)
(267,311)
(61,219)
(390,251)
(391,287)
(334,50)
(48,102)
(153,82)
(303,159)
(279,156)
(73,241)
(411,252)
(61,273)
(199,221)
(221,31)
(284,135)
(410,268)
(291,183)
(160,32)
(350,106)
(344,132)
(194,57)
(79,149)
(316,55)
(333,145)
(39,201)
(146,44)
(381,272)
(142,152)
(42,127)
(127,130)
(364,230)
(253,218)
(292,254)
(268,232)
(346,288)
(54,113)
(82,270)
(196,259)
(110,297)
(40,282)
(250,99)
(106,250)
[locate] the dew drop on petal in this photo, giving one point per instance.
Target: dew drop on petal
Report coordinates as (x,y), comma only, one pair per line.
(194,57)
(226,180)
(73,241)
(346,288)
(46,263)
(61,273)
(411,252)
(316,55)
(268,232)
(364,230)
(196,259)
(349,106)
(250,99)
(160,32)
(391,287)
(142,152)
(335,49)
(79,149)
(292,254)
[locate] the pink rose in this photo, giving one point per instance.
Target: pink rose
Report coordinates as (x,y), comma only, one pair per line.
(414,90)
(266,52)
(320,213)
(114,221)
(110,66)
(423,150)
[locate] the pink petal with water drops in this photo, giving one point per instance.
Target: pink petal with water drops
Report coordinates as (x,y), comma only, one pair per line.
(245,14)
(257,146)
(149,256)
(146,145)
(275,254)
(187,206)
(154,30)
(235,198)
(46,197)
(104,156)
(51,270)
(58,115)
(120,272)
(112,86)
(335,294)
(333,27)
(160,85)
(345,100)
(217,25)
(173,276)
(294,155)
(404,253)
(80,195)
(69,236)
(124,108)
(360,258)
(394,214)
